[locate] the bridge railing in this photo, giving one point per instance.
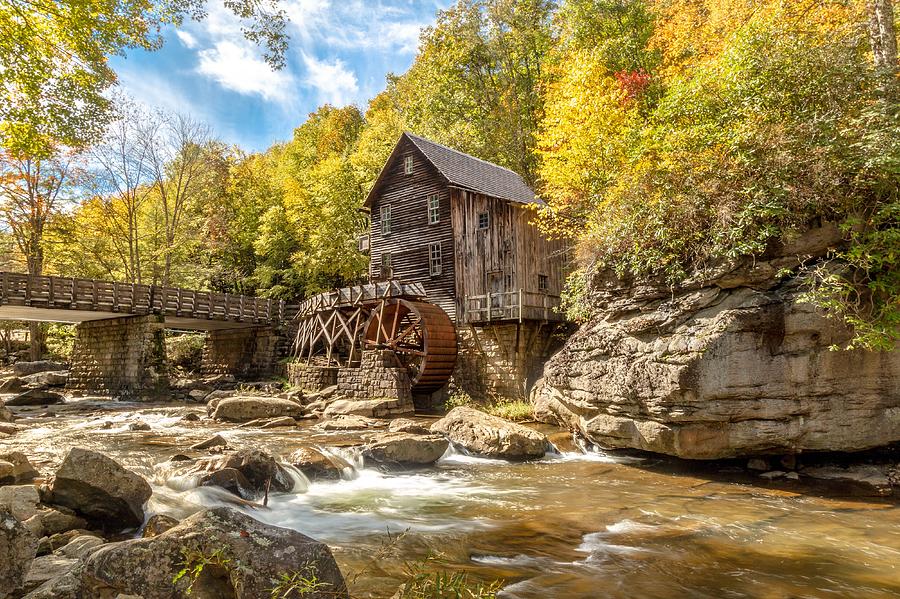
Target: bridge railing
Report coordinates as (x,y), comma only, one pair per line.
(132,298)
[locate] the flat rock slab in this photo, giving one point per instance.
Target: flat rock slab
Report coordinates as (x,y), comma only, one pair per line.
(35,397)
(242,409)
(370,408)
(404,449)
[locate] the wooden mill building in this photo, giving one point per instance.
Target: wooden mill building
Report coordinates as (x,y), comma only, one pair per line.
(462,228)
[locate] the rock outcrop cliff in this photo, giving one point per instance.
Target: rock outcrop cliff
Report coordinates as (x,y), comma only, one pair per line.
(730,364)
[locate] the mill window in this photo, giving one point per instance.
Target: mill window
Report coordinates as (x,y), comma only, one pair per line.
(386,220)
(543,282)
(408,165)
(386,270)
(434,209)
(484,220)
(434,258)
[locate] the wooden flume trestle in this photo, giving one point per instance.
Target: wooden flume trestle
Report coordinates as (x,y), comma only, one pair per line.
(335,327)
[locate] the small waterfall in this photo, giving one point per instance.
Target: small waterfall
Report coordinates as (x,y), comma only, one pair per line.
(301,482)
(348,459)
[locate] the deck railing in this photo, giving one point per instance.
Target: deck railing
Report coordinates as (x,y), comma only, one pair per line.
(131,298)
(519,305)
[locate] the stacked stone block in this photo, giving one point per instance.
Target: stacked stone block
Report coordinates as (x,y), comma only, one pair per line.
(246,354)
(501,360)
(379,376)
(311,378)
(123,357)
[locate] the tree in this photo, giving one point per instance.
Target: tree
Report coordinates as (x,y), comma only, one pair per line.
(32,192)
(54,69)
(477,81)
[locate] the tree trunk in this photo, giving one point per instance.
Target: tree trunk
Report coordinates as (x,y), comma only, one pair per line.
(883,38)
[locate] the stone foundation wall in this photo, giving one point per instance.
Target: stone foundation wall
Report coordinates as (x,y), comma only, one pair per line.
(502,360)
(311,378)
(380,375)
(120,357)
(244,353)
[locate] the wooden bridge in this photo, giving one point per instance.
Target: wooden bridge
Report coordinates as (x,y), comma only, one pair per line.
(63,299)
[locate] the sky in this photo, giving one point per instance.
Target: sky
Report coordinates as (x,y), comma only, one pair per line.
(340,52)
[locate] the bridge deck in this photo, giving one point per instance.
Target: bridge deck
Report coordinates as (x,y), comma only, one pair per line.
(61,299)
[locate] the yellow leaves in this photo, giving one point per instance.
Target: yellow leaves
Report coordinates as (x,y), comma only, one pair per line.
(582,143)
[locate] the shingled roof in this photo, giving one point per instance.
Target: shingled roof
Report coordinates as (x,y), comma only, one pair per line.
(468,172)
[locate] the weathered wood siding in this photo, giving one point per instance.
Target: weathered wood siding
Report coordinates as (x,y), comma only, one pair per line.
(410,231)
(508,255)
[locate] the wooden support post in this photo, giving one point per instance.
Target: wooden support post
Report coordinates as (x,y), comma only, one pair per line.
(520,305)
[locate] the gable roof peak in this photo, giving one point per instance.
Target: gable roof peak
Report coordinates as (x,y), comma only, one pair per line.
(464,171)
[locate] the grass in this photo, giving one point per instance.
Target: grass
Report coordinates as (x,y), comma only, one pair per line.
(517,410)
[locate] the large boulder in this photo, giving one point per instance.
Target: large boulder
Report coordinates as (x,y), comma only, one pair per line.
(489,436)
(243,560)
(316,465)
(49,378)
(15,468)
(731,363)
(12,384)
(26,368)
(370,408)
(17,550)
(246,473)
(242,409)
(404,449)
(100,489)
(35,397)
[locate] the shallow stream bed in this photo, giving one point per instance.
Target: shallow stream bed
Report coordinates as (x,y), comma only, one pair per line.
(573,525)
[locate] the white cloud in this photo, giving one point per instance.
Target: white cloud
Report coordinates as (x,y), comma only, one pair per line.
(187,40)
(237,68)
(335,83)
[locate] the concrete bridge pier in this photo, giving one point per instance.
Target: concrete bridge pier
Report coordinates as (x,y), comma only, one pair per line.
(120,357)
(248,353)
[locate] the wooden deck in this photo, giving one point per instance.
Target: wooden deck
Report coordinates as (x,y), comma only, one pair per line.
(512,306)
(63,299)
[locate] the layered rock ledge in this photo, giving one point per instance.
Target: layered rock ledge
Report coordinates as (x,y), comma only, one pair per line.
(731,364)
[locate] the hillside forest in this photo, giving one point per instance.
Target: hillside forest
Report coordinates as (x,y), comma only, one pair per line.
(665,136)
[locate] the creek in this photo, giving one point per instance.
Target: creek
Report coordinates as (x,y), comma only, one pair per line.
(577,524)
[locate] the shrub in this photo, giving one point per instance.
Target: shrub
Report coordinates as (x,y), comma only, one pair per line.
(185,351)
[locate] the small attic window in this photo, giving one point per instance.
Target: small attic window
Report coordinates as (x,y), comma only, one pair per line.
(407,164)
(484,220)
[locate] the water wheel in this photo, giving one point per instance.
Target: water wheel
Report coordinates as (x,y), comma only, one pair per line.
(422,337)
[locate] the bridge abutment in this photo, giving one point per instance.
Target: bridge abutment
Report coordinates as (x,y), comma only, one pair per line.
(247,354)
(120,357)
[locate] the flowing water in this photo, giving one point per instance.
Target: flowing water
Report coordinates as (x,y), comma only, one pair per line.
(579,525)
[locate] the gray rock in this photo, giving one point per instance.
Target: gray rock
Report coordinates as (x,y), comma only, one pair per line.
(485,435)
(17,550)
(404,449)
(52,543)
(47,379)
(26,368)
(280,422)
(12,384)
(21,501)
(15,468)
(214,441)
(245,473)
(80,546)
(405,425)
(732,363)
(242,409)
(370,408)
(35,397)
(757,464)
(317,465)
(48,567)
(100,489)
(147,567)
(59,519)
(348,423)
(139,425)
(853,480)
(158,524)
